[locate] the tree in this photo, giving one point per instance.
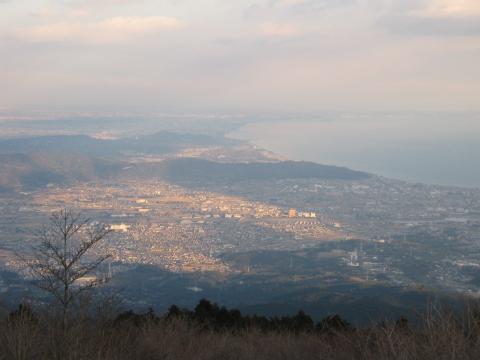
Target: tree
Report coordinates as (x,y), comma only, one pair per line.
(62,260)
(332,324)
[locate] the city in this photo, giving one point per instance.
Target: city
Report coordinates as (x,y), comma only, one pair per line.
(372,231)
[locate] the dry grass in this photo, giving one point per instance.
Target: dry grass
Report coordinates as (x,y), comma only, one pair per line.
(442,336)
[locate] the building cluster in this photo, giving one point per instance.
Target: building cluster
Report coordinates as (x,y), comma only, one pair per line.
(185,230)
(293,213)
(182,230)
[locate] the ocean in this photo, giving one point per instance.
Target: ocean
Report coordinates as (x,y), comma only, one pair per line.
(441,149)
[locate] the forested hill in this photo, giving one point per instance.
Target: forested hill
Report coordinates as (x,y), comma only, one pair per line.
(158,143)
(32,171)
(198,170)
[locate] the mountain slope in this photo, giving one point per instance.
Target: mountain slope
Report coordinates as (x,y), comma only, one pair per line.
(199,171)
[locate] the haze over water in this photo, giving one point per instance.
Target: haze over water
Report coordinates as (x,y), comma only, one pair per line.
(434,148)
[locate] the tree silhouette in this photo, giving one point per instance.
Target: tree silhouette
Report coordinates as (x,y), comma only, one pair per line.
(62,260)
(332,324)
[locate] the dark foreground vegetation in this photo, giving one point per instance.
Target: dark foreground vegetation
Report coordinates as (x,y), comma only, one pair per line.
(213,332)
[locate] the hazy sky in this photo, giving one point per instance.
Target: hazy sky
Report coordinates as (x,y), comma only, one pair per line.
(240,55)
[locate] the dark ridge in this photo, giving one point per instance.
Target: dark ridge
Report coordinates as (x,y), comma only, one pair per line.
(205,171)
(32,171)
(158,143)
(59,143)
(40,178)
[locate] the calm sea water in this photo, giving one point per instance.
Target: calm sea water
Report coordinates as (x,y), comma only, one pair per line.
(435,149)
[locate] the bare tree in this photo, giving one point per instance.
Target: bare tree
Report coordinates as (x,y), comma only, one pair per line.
(62,261)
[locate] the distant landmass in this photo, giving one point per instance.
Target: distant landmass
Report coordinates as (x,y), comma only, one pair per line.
(32,163)
(36,170)
(204,171)
(158,143)
(370,251)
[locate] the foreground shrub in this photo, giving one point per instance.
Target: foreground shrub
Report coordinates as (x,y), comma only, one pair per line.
(205,334)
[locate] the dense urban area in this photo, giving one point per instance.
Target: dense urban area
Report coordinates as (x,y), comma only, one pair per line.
(308,231)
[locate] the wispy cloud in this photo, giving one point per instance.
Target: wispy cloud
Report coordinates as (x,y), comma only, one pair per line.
(279,29)
(115,29)
(248,54)
(449,9)
(295,8)
(433,18)
(433,26)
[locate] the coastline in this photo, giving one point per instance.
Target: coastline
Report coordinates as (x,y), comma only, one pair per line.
(408,158)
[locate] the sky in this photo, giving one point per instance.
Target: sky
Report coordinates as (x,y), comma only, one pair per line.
(240,56)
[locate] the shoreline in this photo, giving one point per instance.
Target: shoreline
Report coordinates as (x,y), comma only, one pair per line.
(266,137)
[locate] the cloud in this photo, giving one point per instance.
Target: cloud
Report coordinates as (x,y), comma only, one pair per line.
(304,55)
(433,26)
(296,8)
(294,18)
(279,30)
(434,18)
(102,2)
(111,30)
(449,9)
(312,4)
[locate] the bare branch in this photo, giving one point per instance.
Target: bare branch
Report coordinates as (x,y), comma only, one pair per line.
(60,261)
